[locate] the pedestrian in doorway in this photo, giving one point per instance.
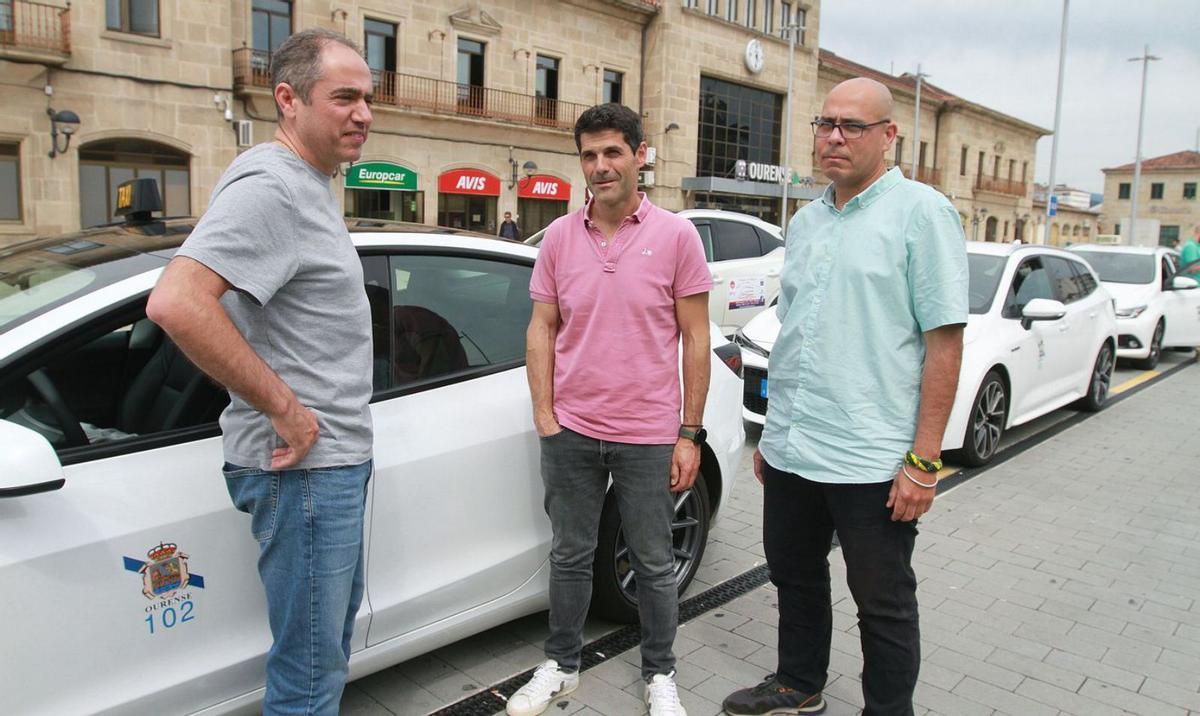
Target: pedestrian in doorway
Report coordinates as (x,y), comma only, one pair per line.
(266,297)
(509,228)
(863,375)
(616,278)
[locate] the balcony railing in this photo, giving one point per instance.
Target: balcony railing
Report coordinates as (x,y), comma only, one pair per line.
(925,175)
(26,25)
(251,68)
(1001,186)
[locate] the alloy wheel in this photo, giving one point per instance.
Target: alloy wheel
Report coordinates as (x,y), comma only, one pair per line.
(988,419)
(1102,375)
(688,534)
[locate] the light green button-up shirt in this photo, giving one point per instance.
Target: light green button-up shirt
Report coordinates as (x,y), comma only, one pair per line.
(859,288)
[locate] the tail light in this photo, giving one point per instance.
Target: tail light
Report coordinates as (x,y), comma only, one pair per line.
(731,356)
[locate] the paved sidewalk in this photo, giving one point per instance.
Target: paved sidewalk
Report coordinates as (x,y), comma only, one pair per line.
(1065,580)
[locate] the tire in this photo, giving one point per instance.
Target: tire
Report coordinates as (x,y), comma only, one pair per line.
(614,586)
(989,415)
(1098,383)
(1151,360)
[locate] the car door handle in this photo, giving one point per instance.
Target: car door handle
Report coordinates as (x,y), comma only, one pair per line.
(773,273)
(1092,314)
(1064,328)
(716,276)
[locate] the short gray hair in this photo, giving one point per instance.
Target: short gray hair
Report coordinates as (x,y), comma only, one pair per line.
(298,60)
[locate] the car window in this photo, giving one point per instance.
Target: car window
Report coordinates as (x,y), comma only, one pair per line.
(1063,279)
(768,242)
(705,230)
(984,272)
(117,379)
(735,240)
(454,313)
(1030,281)
(1168,271)
(1121,267)
(1084,277)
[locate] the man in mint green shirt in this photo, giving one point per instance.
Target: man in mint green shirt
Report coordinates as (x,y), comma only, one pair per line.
(863,375)
(1189,253)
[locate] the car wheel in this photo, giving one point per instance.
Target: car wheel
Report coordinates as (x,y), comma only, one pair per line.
(1152,358)
(614,584)
(1098,384)
(986,426)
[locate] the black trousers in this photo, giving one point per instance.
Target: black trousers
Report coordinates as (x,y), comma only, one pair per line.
(799,519)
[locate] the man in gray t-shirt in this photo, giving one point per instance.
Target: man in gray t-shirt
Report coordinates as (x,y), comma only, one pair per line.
(266,297)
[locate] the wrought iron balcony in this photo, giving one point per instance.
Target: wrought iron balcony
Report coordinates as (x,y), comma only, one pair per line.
(251,68)
(35,30)
(1001,186)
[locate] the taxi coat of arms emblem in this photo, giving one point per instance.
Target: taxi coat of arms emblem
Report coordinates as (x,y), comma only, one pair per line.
(165,572)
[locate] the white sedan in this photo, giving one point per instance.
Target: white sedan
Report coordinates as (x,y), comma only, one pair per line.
(744,254)
(1156,308)
(129,580)
(1041,334)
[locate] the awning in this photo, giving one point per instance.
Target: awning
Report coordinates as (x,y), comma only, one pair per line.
(544,186)
(725,185)
(469,181)
(387,176)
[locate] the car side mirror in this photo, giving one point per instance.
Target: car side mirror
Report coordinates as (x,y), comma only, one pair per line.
(1184,283)
(1042,309)
(28,464)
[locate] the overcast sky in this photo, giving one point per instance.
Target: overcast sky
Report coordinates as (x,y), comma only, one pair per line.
(1004,54)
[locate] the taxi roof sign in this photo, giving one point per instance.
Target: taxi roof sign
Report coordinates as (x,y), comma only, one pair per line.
(137,199)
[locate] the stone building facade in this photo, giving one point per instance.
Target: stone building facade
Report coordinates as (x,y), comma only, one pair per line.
(475,102)
(1167,192)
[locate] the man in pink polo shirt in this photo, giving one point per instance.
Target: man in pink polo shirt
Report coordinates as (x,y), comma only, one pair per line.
(615,286)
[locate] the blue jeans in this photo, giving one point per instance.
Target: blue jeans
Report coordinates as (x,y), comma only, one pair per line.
(575,470)
(309,527)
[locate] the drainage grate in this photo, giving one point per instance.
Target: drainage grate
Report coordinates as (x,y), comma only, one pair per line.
(493,698)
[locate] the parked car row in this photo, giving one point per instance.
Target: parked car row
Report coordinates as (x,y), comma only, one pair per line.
(129,576)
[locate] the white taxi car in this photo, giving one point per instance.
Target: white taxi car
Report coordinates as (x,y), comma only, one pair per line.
(1156,308)
(129,580)
(744,254)
(1041,334)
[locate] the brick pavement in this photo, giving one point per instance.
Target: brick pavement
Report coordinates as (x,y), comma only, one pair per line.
(1065,580)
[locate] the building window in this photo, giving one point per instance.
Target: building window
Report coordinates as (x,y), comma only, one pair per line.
(736,123)
(899,150)
(785,17)
(1189,190)
(105,164)
(768,16)
(690,3)
(921,156)
(1123,190)
(139,17)
(996,168)
(379,45)
(979,168)
(962,162)
(613,83)
(1024,171)
(470,76)
(272,23)
(1156,190)
(547,87)
(751,19)
(1168,235)
(731,10)
(801,21)
(10,181)
(1012,169)
(713,7)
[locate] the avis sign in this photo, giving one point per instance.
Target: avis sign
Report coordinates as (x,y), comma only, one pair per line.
(544,186)
(469,181)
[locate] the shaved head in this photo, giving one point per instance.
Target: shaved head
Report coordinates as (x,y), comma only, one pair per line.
(870,95)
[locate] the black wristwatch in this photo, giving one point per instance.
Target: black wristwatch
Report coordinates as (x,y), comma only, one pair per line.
(697,436)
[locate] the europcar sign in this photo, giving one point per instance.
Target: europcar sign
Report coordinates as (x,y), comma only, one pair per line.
(381,175)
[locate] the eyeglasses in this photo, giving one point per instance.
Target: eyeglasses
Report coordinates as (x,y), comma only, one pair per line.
(850,130)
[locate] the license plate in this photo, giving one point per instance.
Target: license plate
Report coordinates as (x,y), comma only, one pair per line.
(762,388)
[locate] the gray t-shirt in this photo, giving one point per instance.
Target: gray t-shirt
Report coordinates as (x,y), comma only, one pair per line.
(273,230)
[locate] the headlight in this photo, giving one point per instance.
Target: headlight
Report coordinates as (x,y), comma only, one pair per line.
(1131,311)
(741,339)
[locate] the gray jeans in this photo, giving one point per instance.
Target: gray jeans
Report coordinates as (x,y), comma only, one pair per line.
(575,470)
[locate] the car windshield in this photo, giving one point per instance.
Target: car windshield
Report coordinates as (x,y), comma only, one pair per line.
(985,271)
(1120,267)
(37,278)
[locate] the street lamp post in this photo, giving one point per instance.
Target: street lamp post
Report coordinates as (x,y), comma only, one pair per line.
(792,29)
(1145,59)
(916,152)
(1062,58)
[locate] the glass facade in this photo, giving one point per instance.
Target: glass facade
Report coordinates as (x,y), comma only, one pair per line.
(736,122)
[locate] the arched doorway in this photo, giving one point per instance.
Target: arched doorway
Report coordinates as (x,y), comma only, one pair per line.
(1054,234)
(104,164)
(989,229)
(1019,231)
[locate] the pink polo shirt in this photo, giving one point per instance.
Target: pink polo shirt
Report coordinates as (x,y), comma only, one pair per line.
(616,358)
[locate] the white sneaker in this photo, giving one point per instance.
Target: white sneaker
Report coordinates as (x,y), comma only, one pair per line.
(662,697)
(548,682)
